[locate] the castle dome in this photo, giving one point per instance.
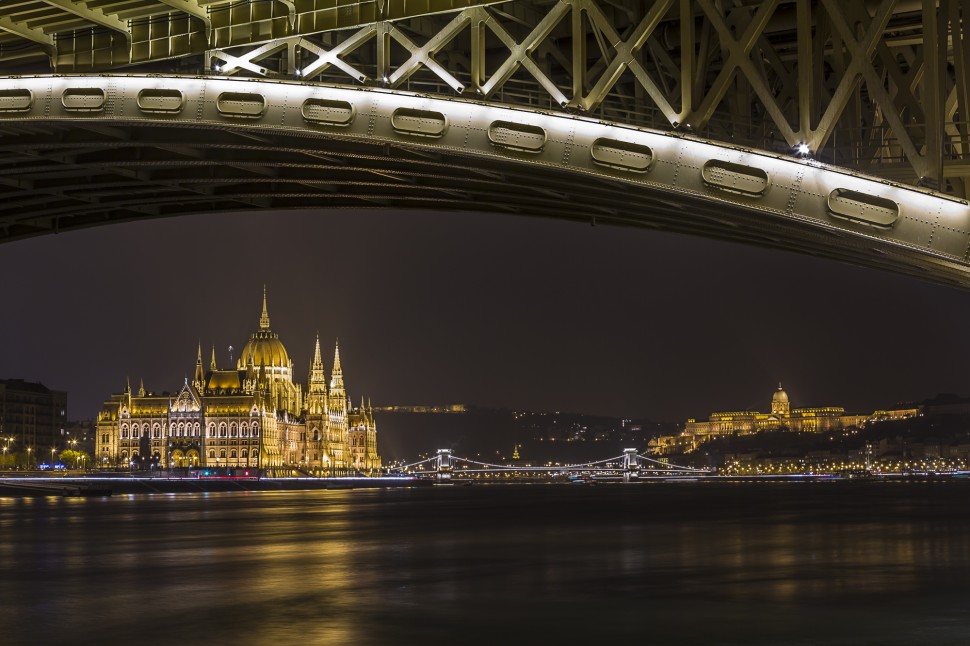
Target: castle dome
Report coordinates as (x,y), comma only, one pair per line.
(264,346)
(780,395)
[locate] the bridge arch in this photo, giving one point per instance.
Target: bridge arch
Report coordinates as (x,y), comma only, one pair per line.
(83,151)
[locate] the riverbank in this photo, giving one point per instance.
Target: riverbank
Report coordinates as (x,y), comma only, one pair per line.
(112,485)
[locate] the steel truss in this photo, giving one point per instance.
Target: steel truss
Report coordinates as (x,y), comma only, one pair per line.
(877,86)
(90,150)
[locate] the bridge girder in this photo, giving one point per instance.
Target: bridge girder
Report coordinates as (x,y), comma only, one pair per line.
(85,151)
(881,86)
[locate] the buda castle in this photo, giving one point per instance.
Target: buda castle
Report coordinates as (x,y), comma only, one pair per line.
(781,417)
(252,415)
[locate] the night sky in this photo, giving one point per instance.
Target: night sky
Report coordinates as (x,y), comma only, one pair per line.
(490,310)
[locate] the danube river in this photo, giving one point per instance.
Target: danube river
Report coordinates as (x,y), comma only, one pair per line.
(718,563)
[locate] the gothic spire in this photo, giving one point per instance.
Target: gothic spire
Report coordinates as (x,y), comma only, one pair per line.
(317,358)
(141,387)
(336,357)
(199,378)
(318,380)
(212,364)
(337,374)
(264,319)
(262,374)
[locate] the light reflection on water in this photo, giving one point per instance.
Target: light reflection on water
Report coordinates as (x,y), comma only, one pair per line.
(843,563)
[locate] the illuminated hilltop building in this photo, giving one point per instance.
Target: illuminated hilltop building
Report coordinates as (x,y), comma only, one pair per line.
(252,415)
(812,420)
(781,417)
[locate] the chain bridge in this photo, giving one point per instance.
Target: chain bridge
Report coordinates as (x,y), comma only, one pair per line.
(823,127)
(630,466)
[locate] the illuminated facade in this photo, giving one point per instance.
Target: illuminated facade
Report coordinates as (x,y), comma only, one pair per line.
(811,420)
(781,417)
(251,415)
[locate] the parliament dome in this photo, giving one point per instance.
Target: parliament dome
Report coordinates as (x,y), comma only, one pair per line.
(264,346)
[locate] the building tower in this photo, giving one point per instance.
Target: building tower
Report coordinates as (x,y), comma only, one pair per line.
(316,401)
(264,348)
(337,412)
(779,403)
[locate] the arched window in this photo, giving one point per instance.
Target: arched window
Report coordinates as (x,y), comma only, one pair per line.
(222,429)
(232,430)
(255,429)
(197,427)
(212,429)
(124,433)
(245,453)
(212,453)
(232,453)
(222,453)
(244,430)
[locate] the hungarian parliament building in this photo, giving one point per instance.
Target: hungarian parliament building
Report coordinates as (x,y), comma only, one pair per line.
(253,415)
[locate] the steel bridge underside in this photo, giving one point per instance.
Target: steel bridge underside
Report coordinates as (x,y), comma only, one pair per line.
(679,115)
(86,151)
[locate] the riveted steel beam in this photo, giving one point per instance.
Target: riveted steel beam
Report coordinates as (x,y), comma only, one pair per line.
(94,15)
(86,150)
(33,35)
(863,85)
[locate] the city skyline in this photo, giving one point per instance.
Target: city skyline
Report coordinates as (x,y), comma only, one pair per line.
(481,310)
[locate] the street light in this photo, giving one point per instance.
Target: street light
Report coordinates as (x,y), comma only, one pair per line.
(29,449)
(53,451)
(73,444)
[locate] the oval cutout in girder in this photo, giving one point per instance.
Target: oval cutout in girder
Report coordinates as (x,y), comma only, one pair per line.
(328,112)
(160,100)
(863,208)
(18,100)
(83,99)
(623,155)
(517,136)
(736,178)
(421,123)
(243,105)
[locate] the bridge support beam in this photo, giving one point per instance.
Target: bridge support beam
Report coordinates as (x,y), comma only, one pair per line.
(443,465)
(631,465)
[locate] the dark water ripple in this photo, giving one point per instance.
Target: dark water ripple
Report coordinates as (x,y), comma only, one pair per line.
(775,563)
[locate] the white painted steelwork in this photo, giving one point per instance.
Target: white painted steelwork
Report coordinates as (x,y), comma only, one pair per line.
(481,156)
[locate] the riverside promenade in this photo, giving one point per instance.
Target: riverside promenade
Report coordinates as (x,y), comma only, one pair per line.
(106,485)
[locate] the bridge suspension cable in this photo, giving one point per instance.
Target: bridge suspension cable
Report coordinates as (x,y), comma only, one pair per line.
(445,461)
(531,468)
(669,466)
(405,467)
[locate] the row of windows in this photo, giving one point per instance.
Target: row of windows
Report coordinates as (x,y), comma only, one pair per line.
(188,430)
(182,426)
(222,454)
(232,453)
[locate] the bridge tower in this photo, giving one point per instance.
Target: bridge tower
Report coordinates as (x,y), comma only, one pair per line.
(631,465)
(443,465)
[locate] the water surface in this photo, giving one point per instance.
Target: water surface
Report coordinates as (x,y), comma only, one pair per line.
(718,563)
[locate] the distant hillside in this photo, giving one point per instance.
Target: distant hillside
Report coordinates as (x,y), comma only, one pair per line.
(493,434)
